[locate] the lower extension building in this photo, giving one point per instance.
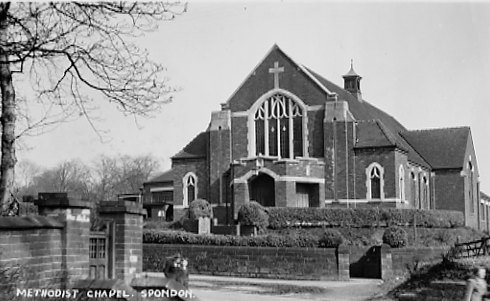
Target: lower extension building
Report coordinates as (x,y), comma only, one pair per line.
(288,137)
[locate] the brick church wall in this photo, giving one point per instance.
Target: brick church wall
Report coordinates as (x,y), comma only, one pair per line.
(239,138)
(293,80)
(386,158)
(315,133)
(183,166)
(450,190)
(472,217)
(219,156)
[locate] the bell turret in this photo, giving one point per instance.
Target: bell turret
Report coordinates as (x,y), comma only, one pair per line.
(352,82)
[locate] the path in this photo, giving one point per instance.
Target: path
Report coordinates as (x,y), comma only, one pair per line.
(216,288)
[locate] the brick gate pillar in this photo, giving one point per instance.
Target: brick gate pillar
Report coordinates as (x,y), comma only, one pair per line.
(386,262)
(343,262)
(241,197)
(74,213)
(128,241)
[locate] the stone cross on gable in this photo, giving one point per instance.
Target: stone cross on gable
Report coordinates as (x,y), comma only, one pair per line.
(276,70)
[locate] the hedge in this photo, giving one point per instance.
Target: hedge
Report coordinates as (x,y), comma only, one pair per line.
(363,217)
(269,240)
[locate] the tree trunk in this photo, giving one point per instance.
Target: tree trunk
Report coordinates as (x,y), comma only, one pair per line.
(7,118)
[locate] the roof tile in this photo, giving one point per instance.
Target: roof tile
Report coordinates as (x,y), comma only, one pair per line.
(442,148)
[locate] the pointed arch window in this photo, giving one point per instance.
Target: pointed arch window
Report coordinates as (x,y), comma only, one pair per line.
(190,188)
(401,183)
(278,123)
(424,193)
(413,189)
(470,186)
(375,181)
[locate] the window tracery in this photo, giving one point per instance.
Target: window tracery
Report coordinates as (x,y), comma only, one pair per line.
(279,127)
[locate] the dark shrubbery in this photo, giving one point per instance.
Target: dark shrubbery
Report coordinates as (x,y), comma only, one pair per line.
(200,208)
(269,240)
(361,218)
(395,237)
(253,214)
(330,238)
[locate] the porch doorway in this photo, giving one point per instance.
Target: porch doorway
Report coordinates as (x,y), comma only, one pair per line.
(262,190)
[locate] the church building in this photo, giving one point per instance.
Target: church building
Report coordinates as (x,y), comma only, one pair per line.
(288,137)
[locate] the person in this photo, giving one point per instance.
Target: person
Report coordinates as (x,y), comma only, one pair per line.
(476,286)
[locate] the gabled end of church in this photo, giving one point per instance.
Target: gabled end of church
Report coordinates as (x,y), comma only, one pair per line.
(288,137)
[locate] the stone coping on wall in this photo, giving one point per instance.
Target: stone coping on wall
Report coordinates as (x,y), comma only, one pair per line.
(29,222)
(61,200)
(121,206)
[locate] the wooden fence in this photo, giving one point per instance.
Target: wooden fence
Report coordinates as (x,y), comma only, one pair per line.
(474,248)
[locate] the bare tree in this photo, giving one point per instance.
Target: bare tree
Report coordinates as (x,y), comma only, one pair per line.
(65,49)
(68,176)
(121,175)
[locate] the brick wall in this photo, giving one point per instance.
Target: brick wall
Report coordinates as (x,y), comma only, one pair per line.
(33,248)
(406,258)
(219,164)
(452,196)
(261,81)
(284,263)
(315,133)
(180,168)
(239,137)
(50,249)
(386,158)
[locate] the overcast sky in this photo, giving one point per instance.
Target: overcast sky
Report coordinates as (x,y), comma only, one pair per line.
(427,64)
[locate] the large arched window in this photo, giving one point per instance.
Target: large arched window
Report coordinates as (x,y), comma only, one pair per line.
(374,181)
(401,183)
(190,188)
(278,123)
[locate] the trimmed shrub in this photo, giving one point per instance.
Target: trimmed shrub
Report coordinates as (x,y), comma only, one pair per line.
(253,214)
(330,238)
(200,208)
(362,217)
(395,237)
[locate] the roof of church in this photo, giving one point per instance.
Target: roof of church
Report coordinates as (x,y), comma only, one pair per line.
(372,133)
(386,124)
(441,148)
(197,148)
(163,177)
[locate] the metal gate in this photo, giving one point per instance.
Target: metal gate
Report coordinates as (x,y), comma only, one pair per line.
(101,252)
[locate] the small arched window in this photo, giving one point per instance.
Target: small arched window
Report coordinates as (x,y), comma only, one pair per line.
(374,181)
(424,194)
(413,189)
(401,183)
(190,188)
(470,186)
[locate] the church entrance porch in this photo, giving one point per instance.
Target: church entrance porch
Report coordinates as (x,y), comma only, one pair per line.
(278,183)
